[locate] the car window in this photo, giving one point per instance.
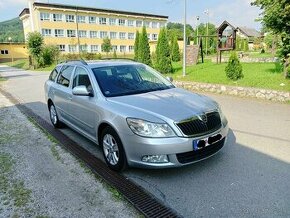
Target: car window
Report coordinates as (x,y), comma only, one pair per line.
(81,78)
(129,79)
(53,74)
(65,75)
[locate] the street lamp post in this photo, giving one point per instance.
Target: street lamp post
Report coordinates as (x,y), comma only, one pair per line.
(184,42)
(197,19)
(11,53)
(206,41)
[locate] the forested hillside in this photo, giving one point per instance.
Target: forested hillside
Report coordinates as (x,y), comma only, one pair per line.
(11,28)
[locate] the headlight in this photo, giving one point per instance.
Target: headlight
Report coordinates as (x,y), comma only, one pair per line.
(223,117)
(149,129)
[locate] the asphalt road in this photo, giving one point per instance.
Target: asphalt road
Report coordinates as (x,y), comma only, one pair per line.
(249,177)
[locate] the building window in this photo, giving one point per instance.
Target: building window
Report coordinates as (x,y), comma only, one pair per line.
(71,33)
(103,34)
(130,22)
(92,19)
(81,19)
(131,48)
(122,48)
(102,20)
(113,35)
(148,36)
(154,37)
(57,17)
(122,35)
(139,23)
(72,48)
(112,21)
(44,16)
(122,22)
(94,48)
(82,33)
(70,18)
(131,35)
(147,24)
(46,32)
(61,47)
(93,34)
(4,52)
(58,33)
(114,48)
(154,25)
(83,48)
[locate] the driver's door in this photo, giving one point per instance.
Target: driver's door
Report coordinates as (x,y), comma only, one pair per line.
(83,108)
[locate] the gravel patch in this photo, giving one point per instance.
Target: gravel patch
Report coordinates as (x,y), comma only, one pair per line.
(39,178)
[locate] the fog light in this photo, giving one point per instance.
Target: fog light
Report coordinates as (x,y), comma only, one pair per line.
(155,158)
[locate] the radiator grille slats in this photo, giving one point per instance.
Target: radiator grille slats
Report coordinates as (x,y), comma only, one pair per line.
(198,127)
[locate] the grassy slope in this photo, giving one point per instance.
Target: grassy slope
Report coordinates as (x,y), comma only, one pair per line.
(259,75)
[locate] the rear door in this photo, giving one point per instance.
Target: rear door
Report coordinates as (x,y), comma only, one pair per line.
(63,92)
(83,108)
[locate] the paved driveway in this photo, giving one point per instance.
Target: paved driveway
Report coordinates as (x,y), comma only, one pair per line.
(249,177)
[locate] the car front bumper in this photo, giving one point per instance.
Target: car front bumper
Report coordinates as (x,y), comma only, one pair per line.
(179,150)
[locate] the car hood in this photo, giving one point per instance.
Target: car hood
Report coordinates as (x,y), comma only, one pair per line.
(176,104)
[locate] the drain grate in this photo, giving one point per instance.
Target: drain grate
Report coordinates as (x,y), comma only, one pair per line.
(143,201)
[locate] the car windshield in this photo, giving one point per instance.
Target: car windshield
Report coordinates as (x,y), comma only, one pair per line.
(129,80)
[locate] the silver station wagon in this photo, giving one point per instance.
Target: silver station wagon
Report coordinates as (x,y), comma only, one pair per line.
(138,117)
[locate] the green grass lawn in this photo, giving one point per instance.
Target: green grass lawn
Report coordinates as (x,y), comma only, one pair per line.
(24,64)
(258,75)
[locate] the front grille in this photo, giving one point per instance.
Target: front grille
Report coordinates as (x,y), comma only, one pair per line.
(198,127)
(193,156)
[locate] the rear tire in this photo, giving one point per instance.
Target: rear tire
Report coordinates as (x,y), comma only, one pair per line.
(113,150)
(54,117)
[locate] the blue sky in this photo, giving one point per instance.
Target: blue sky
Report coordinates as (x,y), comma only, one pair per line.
(237,12)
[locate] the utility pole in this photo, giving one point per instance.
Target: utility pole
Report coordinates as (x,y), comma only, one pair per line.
(11,53)
(184,42)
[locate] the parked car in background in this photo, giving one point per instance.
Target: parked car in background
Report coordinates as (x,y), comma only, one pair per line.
(137,116)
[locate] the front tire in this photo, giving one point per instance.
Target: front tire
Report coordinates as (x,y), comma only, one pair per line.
(113,150)
(54,117)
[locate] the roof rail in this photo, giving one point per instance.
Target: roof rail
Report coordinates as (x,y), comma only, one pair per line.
(78,60)
(124,59)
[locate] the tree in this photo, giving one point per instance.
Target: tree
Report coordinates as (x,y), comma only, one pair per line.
(275,17)
(176,29)
(234,70)
(35,45)
(163,57)
(106,45)
(175,53)
(136,46)
(144,48)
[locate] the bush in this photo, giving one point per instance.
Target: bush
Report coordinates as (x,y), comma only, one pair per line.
(234,70)
(262,51)
(49,54)
(88,56)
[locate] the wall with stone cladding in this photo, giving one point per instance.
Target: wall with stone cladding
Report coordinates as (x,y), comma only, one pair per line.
(265,94)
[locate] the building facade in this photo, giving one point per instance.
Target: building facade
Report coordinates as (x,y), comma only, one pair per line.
(12,51)
(82,29)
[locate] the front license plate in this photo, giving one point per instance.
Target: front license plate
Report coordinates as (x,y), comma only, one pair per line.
(202,143)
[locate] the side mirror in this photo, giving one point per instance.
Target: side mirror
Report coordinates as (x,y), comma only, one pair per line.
(169,78)
(82,91)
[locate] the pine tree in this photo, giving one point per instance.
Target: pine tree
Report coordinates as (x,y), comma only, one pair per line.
(136,46)
(175,53)
(163,59)
(144,48)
